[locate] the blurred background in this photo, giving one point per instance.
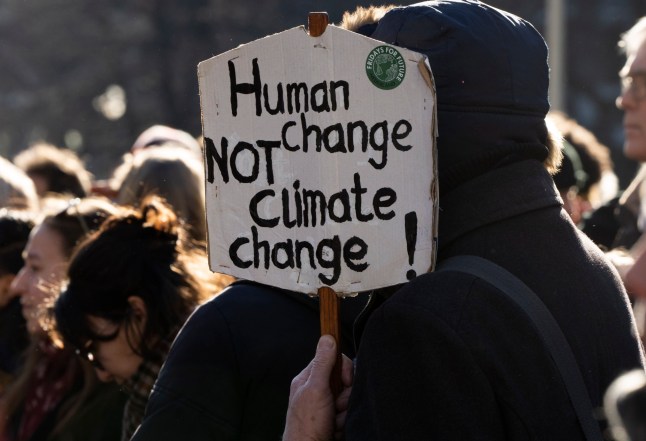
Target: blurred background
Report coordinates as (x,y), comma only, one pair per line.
(93,75)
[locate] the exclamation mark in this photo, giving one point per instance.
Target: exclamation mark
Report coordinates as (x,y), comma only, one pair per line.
(410,223)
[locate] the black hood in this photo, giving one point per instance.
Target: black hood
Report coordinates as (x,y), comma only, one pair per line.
(491,75)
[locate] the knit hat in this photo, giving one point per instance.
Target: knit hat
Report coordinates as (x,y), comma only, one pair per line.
(491,76)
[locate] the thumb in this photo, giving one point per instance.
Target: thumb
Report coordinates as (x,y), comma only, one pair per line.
(324,360)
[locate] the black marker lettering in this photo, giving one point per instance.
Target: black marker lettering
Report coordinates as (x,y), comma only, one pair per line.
(397,134)
(280,104)
(253,209)
(307,131)
(245,88)
(321,90)
(212,154)
(257,245)
(268,146)
(355,249)
(334,133)
(237,150)
(379,146)
(358,190)
(345,88)
(344,199)
(233,253)
(384,198)
(294,91)
(288,250)
(328,254)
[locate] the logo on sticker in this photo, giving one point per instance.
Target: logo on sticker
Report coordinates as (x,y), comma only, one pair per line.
(386,68)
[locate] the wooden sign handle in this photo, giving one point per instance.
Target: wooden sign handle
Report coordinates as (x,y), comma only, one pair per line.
(316,23)
(329,315)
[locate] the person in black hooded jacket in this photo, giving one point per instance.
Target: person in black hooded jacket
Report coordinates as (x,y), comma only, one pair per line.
(228,374)
(449,356)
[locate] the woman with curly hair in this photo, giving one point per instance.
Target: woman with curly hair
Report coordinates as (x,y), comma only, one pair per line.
(130,288)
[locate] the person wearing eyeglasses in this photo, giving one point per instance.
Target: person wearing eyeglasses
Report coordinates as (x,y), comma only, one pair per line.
(56,396)
(620,223)
(633,91)
(633,202)
(130,288)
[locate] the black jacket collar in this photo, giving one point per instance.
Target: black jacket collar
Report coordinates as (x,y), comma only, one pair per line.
(500,194)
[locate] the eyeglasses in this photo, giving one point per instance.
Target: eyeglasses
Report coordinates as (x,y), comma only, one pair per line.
(89,349)
(87,353)
(634,85)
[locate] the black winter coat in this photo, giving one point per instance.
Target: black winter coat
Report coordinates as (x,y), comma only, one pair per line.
(449,357)
(229,371)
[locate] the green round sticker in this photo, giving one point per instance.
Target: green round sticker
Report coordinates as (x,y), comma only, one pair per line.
(385,67)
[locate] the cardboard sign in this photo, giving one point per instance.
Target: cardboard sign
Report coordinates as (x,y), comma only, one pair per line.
(320,161)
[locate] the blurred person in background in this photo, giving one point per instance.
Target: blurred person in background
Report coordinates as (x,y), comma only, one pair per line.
(626,219)
(130,288)
(56,395)
(568,180)
(620,223)
(17,190)
(625,407)
(158,135)
(166,171)
(586,178)
(18,203)
(55,170)
(15,226)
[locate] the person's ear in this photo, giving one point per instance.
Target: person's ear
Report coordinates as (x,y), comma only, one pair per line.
(138,307)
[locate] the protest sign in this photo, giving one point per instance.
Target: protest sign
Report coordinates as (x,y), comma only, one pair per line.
(320,161)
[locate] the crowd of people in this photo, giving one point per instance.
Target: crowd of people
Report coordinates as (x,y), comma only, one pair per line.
(112,326)
(97,279)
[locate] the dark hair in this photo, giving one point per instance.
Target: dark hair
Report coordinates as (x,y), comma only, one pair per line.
(61,168)
(15,226)
(72,220)
(77,219)
(148,173)
(593,156)
(571,174)
(17,190)
(138,253)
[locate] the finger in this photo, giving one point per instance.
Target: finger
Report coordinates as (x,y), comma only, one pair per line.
(340,420)
(300,379)
(343,399)
(339,425)
(323,362)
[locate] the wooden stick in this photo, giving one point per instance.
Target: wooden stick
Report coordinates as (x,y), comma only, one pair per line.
(316,23)
(329,316)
